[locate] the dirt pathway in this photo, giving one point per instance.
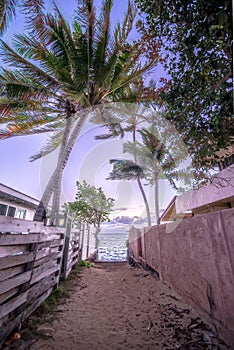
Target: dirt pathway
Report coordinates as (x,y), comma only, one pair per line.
(116,306)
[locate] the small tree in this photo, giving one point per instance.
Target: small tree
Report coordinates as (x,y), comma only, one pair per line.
(91,206)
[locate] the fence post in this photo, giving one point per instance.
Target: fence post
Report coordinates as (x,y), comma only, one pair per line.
(81,240)
(88,239)
(68,226)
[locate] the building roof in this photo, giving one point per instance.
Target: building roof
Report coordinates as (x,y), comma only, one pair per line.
(16,197)
(216,193)
(170,213)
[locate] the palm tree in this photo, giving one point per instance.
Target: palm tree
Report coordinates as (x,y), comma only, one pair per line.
(126,169)
(123,119)
(154,160)
(61,73)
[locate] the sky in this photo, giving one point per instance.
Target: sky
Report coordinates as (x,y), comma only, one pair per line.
(89,159)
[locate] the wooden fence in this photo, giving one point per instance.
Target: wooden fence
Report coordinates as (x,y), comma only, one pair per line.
(72,247)
(32,258)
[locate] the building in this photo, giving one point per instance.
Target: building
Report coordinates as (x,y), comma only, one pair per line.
(14,203)
(170,213)
(217,194)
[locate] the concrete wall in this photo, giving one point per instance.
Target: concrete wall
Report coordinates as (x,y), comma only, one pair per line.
(196,259)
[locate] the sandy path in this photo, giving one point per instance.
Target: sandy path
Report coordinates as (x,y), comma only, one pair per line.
(116,306)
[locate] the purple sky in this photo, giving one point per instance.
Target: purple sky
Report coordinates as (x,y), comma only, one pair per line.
(89,158)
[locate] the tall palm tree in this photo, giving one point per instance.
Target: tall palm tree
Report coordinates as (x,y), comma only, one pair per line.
(154,160)
(125,119)
(126,169)
(61,73)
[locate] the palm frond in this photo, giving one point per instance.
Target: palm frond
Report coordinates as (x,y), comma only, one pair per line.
(52,144)
(7,11)
(11,58)
(128,21)
(18,85)
(35,17)
(125,169)
(27,128)
(102,37)
(116,130)
(17,108)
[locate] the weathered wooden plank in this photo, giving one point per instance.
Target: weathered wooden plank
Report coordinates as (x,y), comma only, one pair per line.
(7,295)
(72,263)
(14,281)
(44,266)
(15,239)
(39,276)
(43,245)
(49,257)
(75,241)
(13,304)
(29,310)
(74,254)
(10,325)
(44,253)
(70,251)
(54,249)
(39,288)
(56,243)
(52,243)
(9,224)
(11,271)
(68,272)
(12,250)
(15,260)
(74,245)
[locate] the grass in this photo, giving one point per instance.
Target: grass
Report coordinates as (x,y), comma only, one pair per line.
(85,263)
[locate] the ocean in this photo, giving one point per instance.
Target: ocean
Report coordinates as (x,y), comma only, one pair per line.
(113,243)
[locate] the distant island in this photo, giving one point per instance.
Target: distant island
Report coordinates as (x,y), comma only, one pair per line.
(126,220)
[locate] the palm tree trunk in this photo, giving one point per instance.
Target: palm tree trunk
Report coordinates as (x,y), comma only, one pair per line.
(156,198)
(62,161)
(56,202)
(140,184)
(57,191)
(145,201)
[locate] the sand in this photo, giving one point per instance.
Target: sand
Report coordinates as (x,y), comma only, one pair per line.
(116,306)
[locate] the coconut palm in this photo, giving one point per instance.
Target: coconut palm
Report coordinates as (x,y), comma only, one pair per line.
(126,169)
(60,73)
(154,160)
(125,119)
